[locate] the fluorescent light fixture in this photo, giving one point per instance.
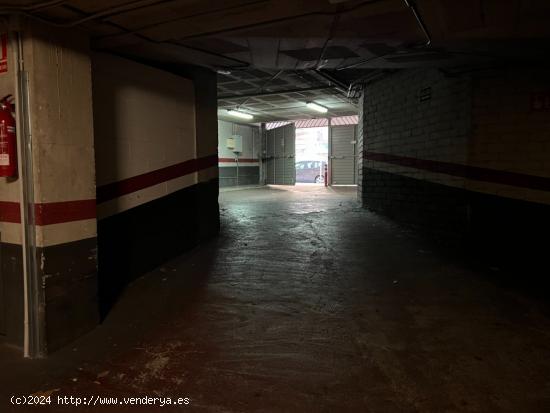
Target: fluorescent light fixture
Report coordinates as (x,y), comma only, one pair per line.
(315,106)
(239,114)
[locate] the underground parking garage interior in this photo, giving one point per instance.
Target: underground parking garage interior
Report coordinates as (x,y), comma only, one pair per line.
(275,206)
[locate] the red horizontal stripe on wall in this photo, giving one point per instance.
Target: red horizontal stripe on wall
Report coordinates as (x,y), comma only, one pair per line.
(68,211)
(232,160)
(10,212)
(475,173)
(136,183)
(51,212)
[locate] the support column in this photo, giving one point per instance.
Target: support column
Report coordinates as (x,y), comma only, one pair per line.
(48,213)
(60,89)
(206,121)
(57,64)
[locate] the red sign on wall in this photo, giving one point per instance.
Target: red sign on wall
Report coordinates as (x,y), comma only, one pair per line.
(4,56)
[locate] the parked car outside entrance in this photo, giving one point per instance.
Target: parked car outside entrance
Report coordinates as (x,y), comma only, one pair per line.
(310,171)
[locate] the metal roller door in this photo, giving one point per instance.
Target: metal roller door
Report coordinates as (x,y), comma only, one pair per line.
(280,155)
(342,155)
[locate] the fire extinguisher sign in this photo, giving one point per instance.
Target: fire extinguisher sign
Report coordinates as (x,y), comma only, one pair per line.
(4,57)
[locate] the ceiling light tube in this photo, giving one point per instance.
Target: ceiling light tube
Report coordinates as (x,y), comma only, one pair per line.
(239,114)
(315,106)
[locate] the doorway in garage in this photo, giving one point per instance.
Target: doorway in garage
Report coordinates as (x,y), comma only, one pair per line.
(297,152)
(342,161)
(311,155)
(280,144)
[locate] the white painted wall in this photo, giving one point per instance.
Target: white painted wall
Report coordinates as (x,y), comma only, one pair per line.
(144,120)
(250,137)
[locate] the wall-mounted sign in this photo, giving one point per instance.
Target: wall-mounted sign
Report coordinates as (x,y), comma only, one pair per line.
(540,102)
(425,94)
(4,51)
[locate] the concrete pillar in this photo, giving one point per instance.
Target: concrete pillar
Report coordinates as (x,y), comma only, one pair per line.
(57,70)
(154,149)
(64,174)
(206,121)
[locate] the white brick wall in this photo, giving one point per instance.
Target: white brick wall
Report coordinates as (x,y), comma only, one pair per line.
(396,122)
(475,119)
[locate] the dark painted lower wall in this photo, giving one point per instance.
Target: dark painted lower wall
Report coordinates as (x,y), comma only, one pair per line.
(69,278)
(415,201)
(140,239)
(243,175)
(68,281)
(500,230)
(11,290)
(207,209)
(128,245)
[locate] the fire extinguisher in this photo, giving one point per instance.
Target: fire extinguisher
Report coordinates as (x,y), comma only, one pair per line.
(8,140)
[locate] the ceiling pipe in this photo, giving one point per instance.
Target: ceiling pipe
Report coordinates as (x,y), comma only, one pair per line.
(32,7)
(20,11)
(127,7)
(332,85)
(373,76)
(282,20)
(111,11)
(142,4)
(139,4)
(116,10)
(341,87)
(331,79)
(262,87)
(339,90)
(191,16)
(363,61)
(410,4)
(241,63)
(252,25)
(48,5)
(331,31)
(278,92)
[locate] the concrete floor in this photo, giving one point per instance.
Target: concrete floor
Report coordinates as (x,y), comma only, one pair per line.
(308,303)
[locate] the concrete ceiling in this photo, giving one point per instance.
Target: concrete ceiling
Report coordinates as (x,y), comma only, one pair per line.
(280,94)
(299,47)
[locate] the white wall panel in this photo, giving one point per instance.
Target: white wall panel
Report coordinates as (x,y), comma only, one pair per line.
(146,116)
(144,120)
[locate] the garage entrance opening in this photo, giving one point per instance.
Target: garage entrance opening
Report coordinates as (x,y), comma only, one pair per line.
(311,155)
(298,152)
